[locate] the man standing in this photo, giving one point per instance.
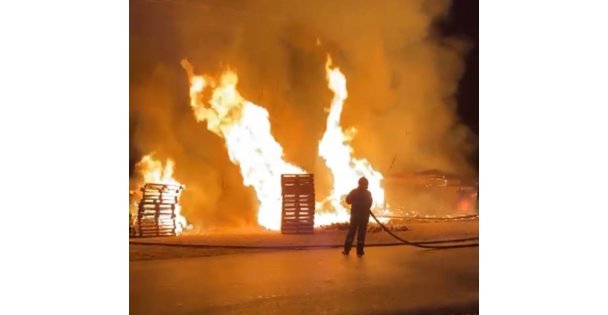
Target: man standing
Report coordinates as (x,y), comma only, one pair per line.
(360,200)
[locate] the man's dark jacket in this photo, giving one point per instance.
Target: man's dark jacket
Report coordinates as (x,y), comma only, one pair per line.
(361,201)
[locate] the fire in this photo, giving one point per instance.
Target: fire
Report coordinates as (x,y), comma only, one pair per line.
(245,128)
(335,149)
(153,171)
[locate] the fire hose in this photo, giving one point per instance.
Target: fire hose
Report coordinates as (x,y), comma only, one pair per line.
(319,246)
(423,245)
(420,244)
(455,218)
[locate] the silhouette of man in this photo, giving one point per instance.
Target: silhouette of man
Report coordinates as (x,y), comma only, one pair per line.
(360,200)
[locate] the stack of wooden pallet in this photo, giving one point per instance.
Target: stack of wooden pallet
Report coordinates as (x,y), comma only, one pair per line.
(298,192)
(157,209)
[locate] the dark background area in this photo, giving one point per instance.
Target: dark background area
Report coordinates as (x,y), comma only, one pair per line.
(463,21)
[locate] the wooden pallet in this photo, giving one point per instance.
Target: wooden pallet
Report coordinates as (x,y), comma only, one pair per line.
(298,206)
(156,213)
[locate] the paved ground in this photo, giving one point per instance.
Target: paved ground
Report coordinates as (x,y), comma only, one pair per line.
(388,280)
(417,231)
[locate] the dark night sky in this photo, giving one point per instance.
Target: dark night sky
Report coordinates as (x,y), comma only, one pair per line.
(463,21)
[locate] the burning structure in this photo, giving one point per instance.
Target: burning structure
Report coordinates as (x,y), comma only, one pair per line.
(158,210)
(431,192)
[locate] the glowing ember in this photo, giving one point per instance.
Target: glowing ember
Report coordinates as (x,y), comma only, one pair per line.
(153,171)
(245,128)
(334,148)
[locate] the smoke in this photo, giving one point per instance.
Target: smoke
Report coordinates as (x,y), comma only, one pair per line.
(402,78)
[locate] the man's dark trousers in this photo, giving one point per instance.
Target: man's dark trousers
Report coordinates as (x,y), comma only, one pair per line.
(357,225)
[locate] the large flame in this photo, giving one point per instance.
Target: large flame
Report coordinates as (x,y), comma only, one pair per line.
(335,149)
(245,128)
(153,171)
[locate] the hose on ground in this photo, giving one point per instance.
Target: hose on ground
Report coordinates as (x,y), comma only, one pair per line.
(310,246)
(420,244)
(462,217)
(423,245)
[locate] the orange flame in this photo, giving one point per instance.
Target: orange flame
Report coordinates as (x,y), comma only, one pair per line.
(335,149)
(153,171)
(245,128)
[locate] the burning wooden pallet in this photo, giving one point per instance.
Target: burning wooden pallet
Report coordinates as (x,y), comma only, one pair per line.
(158,209)
(298,192)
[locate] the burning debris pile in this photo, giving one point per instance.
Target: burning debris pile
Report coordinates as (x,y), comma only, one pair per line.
(298,191)
(371,227)
(432,194)
(158,210)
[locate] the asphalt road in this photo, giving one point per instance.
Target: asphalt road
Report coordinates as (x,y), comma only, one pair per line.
(387,280)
